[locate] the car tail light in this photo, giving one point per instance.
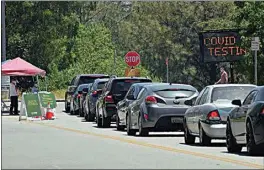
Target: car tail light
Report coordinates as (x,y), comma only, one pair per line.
(146,116)
(151,100)
(262,112)
(213,115)
(109,99)
(78,96)
(94,92)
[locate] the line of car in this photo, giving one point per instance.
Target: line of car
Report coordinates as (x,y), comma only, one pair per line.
(234,112)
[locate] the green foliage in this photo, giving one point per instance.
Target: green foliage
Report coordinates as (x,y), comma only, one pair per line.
(69,38)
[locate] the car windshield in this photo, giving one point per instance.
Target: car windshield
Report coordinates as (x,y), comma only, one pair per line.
(122,86)
(80,88)
(88,79)
(175,93)
(230,93)
(100,85)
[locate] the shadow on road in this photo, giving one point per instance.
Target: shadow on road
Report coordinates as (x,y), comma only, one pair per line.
(243,153)
(212,145)
(95,126)
(163,135)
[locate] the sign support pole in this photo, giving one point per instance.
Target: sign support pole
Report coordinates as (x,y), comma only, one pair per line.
(167,70)
(256,67)
(255,48)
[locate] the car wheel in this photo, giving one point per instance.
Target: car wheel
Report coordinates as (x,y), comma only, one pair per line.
(142,131)
(89,116)
(130,132)
(106,121)
(81,112)
(251,145)
(98,120)
(188,138)
(67,107)
(118,126)
(231,144)
(204,139)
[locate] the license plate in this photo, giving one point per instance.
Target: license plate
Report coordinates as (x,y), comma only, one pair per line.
(176,120)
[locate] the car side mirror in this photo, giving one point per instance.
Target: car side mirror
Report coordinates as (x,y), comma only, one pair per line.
(237,102)
(130,97)
(188,102)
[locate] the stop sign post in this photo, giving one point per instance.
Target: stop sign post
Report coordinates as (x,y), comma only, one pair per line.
(132,58)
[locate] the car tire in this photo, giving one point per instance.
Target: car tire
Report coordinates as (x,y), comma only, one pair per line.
(81,114)
(130,132)
(98,120)
(252,148)
(203,138)
(89,117)
(118,126)
(231,145)
(106,121)
(67,107)
(142,131)
(188,138)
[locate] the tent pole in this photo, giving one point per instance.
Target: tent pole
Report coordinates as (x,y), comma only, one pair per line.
(38,83)
(46,83)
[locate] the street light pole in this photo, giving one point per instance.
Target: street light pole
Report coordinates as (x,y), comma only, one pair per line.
(3,31)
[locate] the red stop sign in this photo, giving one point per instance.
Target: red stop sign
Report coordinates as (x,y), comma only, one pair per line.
(132,58)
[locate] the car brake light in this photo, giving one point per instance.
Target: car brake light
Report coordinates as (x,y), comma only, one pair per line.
(213,115)
(146,116)
(94,92)
(78,95)
(151,100)
(109,99)
(262,112)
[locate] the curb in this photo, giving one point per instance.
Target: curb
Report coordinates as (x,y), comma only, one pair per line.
(57,100)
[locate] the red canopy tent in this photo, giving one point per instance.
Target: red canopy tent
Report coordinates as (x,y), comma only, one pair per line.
(19,67)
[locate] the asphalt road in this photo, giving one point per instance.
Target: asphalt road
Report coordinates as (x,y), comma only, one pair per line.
(70,143)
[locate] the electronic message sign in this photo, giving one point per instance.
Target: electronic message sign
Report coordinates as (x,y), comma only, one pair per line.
(221,46)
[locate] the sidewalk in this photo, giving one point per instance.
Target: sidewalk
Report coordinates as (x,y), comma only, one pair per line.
(57,100)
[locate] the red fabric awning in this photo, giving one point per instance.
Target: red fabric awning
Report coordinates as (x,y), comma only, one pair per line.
(19,67)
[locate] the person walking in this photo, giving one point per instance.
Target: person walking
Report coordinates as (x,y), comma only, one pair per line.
(224,77)
(14,97)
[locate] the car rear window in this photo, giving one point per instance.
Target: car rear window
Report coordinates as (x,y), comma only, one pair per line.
(122,86)
(100,85)
(230,93)
(175,93)
(90,79)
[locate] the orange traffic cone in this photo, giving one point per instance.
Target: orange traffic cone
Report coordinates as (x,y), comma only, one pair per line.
(49,113)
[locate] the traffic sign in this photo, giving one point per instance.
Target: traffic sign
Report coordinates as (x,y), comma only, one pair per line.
(254,45)
(132,58)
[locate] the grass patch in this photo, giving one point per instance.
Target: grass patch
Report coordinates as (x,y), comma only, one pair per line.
(59,94)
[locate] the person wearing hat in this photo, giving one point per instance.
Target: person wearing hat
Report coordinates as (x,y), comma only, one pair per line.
(13,97)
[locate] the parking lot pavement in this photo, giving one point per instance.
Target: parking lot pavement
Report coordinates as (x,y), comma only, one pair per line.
(70,142)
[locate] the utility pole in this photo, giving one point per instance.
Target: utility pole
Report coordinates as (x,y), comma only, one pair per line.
(3,39)
(167,63)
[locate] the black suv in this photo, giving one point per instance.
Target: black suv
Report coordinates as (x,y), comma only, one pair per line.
(113,92)
(78,80)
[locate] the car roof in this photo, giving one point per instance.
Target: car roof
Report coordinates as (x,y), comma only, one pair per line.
(229,85)
(91,75)
(140,78)
(84,85)
(141,84)
(101,80)
(160,86)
